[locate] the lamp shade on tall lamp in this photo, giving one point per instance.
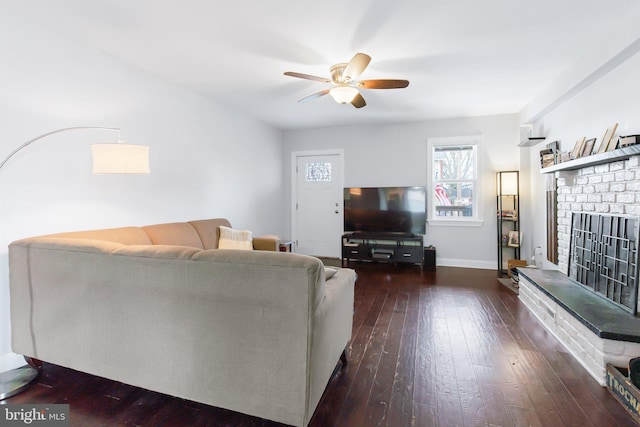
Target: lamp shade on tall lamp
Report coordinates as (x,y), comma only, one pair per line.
(508,183)
(120,158)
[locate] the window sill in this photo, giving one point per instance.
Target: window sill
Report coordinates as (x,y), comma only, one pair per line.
(451,222)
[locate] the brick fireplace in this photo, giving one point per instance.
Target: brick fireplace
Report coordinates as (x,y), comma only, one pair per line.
(571,302)
(612,189)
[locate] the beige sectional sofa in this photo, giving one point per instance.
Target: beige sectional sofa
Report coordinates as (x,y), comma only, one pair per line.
(159,307)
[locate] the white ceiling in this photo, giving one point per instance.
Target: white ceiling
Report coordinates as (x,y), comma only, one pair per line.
(462,57)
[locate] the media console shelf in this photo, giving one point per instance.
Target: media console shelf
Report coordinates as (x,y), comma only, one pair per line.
(396,248)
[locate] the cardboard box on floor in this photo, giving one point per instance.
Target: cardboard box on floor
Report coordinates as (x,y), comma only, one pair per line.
(515,263)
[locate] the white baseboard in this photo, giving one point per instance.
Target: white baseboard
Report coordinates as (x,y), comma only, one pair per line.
(466,263)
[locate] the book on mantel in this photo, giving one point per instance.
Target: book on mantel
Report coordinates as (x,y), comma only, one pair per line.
(625,141)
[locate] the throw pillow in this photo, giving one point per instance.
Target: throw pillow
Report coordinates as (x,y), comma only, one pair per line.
(235,239)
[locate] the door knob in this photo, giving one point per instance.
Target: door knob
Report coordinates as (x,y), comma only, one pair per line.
(337,211)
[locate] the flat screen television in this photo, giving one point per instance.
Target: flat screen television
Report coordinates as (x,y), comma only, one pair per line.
(385,210)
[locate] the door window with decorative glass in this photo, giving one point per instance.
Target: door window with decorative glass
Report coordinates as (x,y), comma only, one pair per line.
(454,183)
(318,172)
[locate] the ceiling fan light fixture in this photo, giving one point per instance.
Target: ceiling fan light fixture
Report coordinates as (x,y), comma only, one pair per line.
(345,84)
(343,94)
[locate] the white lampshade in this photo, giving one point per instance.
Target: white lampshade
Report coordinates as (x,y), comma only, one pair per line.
(343,94)
(120,158)
(508,183)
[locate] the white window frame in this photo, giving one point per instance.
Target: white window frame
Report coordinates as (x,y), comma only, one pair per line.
(461,221)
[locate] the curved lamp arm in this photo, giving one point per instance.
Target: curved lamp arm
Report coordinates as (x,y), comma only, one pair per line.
(17,380)
(44,135)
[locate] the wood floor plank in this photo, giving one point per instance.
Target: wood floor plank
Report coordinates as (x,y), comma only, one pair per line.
(544,406)
(425,365)
(525,417)
(451,347)
(496,409)
(401,406)
(425,415)
(380,398)
(471,401)
(448,409)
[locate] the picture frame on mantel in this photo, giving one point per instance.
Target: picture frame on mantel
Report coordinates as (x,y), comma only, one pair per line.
(607,139)
(613,144)
(597,146)
(588,147)
(577,149)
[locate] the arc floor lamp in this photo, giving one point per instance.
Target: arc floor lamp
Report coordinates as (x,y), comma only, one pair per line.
(114,158)
(107,158)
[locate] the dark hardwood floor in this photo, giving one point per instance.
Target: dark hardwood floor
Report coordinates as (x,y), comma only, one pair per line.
(446,348)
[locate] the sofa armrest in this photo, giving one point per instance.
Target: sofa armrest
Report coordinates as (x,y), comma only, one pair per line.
(266,243)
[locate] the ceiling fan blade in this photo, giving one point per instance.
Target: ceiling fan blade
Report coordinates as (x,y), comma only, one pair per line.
(356,66)
(307,77)
(315,95)
(358,101)
(383,84)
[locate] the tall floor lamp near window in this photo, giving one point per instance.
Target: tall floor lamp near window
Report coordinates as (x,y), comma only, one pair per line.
(508,224)
(114,158)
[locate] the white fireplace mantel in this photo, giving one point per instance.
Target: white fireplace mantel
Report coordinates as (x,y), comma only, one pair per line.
(594,159)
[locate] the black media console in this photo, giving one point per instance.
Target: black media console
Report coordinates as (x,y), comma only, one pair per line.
(395,248)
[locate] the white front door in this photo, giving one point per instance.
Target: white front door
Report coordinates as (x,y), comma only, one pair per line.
(318,204)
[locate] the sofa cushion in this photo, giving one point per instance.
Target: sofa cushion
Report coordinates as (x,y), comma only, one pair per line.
(209,231)
(69,244)
(235,239)
(176,233)
(157,251)
(124,235)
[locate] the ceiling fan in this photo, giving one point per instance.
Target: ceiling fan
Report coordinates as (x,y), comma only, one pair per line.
(345,83)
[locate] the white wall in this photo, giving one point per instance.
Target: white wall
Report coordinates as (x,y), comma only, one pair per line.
(396,155)
(206,160)
(612,98)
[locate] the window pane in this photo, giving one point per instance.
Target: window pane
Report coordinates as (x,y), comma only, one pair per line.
(453,199)
(318,172)
(453,163)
